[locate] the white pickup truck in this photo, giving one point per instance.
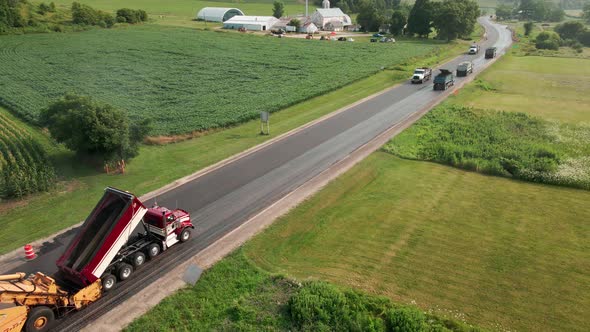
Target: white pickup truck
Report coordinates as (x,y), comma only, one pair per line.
(421,75)
(474,49)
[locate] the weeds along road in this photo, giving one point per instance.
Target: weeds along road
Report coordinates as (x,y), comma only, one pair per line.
(225,198)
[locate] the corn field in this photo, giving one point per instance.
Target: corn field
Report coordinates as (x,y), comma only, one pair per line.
(185,80)
(24,166)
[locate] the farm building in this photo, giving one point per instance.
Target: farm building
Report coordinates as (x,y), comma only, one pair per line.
(308,27)
(253,23)
(217,14)
(331,19)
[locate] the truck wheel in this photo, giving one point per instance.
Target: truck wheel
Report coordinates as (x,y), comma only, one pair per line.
(185,235)
(124,271)
(40,318)
(153,250)
(138,259)
(108,282)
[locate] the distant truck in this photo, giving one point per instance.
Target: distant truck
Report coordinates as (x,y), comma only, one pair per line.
(444,80)
(106,250)
(490,52)
(473,49)
(464,68)
(421,75)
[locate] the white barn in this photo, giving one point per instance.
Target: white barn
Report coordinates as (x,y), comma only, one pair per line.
(217,14)
(253,23)
(308,27)
(332,19)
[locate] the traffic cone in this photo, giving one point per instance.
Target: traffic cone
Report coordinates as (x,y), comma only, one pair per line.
(29,252)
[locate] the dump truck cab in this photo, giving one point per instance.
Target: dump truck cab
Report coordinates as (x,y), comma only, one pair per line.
(474,49)
(171,226)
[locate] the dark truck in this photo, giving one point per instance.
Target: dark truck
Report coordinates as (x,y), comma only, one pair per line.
(490,52)
(444,80)
(464,68)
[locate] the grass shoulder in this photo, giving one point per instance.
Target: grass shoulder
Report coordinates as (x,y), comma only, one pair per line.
(486,250)
(235,295)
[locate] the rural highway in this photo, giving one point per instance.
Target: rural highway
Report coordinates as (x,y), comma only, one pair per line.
(223,199)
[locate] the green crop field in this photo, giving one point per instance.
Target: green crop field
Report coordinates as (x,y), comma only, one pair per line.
(498,253)
(551,87)
(184,79)
(24,165)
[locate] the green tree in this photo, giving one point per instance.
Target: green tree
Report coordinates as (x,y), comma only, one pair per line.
(456,18)
(504,11)
(419,20)
(548,40)
(278,9)
(295,23)
(93,129)
(528,28)
(397,22)
(584,38)
(556,14)
(368,17)
(569,29)
(586,11)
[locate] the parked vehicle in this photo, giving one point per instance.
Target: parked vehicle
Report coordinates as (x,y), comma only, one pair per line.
(473,49)
(464,68)
(490,52)
(387,40)
(373,40)
(444,80)
(377,35)
(106,250)
(341,38)
(421,75)
(242,29)
(309,36)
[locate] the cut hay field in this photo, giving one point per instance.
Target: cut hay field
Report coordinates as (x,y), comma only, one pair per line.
(183,79)
(498,253)
(554,88)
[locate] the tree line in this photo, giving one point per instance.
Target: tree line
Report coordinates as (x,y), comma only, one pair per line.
(535,10)
(450,19)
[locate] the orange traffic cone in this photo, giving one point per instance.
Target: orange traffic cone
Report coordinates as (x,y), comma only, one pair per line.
(29,252)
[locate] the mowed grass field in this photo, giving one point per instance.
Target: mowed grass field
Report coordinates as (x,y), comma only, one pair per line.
(185,80)
(498,253)
(554,88)
(187,9)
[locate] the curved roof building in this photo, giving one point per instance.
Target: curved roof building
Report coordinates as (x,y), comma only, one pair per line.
(217,14)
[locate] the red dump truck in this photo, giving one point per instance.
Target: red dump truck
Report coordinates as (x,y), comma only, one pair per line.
(107,249)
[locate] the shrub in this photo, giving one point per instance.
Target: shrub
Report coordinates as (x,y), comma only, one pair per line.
(131,16)
(528,27)
(84,14)
(405,320)
(569,29)
(548,40)
(584,38)
(43,8)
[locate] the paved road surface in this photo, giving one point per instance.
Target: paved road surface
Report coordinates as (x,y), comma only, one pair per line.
(225,198)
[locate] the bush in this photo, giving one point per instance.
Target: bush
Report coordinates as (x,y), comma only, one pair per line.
(131,16)
(405,320)
(528,27)
(548,40)
(84,14)
(570,29)
(43,8)
(584,38)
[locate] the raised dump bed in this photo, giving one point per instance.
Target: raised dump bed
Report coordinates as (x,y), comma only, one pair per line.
(106,230)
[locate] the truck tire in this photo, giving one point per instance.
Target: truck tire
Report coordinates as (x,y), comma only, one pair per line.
(108,282)
(138,259)
(40,319)
(185,235)
(124,271)
(153,250)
